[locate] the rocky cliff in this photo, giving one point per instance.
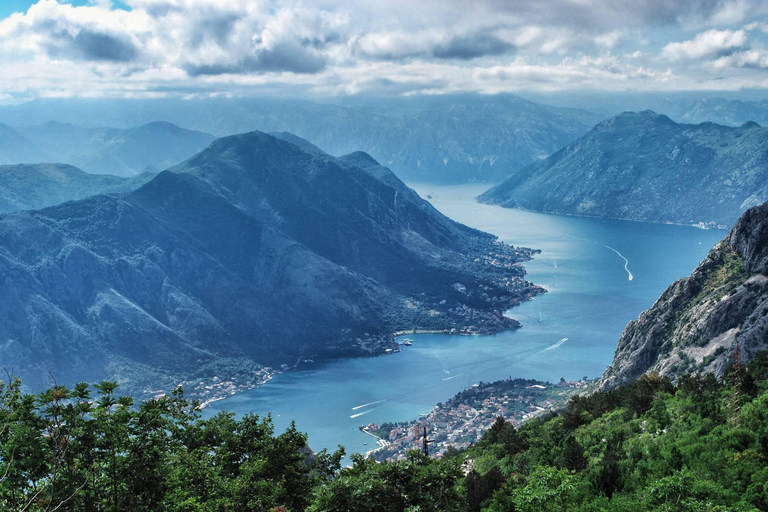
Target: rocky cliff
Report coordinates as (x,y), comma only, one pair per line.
(696,323)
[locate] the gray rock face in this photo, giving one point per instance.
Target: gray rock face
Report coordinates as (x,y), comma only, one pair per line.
(643,166)
(30,187)
(253,252)
(697,321)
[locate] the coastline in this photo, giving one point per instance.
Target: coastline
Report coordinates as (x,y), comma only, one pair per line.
(382,443)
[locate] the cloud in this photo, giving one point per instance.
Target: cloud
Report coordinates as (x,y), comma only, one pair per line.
(89,45)
(281,57)
(431,44)
(712,43)
(750,59)
(389,46)
(471,47)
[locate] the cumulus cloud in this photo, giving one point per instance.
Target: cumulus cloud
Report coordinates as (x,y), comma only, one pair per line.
(338,47)
(751,59)
(472,46)
(716,43)
(90,45)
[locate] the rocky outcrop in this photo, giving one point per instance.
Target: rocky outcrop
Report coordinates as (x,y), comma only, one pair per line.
(696,323)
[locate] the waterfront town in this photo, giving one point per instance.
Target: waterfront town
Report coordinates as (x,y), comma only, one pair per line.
(463,419)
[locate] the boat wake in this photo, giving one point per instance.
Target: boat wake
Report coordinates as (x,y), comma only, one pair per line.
(362,413)
(630,277)
(626,261)
(366,405)
(453,376)
(556,345)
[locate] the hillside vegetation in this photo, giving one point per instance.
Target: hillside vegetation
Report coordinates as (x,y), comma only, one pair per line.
(699,445)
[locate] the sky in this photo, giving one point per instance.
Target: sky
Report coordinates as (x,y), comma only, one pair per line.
(331,48)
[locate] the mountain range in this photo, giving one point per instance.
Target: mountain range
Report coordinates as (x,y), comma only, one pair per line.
(698,321)
(253,252)
(644,166)
(722,111)
(35,186)
(121,152)
(444,139)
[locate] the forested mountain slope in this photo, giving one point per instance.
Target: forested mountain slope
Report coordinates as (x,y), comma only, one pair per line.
(253,252)
(643,166)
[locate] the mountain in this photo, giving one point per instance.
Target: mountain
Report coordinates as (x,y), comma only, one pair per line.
(697,322)
(150,147)
(451,138)
(727,112)
(15,148)
(295,139)
(481,140)
(643,166)
(29,187)
(253,252)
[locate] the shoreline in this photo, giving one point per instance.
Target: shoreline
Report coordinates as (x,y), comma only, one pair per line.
(699,225)
(270,373)
(382,443)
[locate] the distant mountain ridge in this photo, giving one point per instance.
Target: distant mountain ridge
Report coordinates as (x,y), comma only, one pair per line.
(697,322)
(644,166)
(727,112)
(16,149)
(35,186)
(253,252)
(447,139)
(151,147)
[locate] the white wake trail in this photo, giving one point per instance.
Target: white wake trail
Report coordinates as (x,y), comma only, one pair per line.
(630,277)
(556,344)
(626,261)
(366,405)
(362,413)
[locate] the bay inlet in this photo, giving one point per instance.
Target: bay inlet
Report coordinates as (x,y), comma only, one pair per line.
(599,274)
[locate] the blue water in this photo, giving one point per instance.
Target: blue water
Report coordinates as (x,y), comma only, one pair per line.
(585,264)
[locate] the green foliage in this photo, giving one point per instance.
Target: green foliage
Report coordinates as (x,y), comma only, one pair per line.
(417,483)
(67,450)
(725,277)
(650,445)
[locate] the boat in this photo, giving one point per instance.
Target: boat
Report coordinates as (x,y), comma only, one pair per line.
(407,342)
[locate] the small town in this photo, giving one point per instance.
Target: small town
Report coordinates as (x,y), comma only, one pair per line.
(462,420)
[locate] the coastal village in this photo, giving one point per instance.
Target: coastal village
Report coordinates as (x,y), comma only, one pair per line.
(462,420)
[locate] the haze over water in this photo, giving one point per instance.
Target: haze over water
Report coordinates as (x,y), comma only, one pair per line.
(600,274)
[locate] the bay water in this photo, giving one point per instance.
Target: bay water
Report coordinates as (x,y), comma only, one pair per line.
(599,273)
